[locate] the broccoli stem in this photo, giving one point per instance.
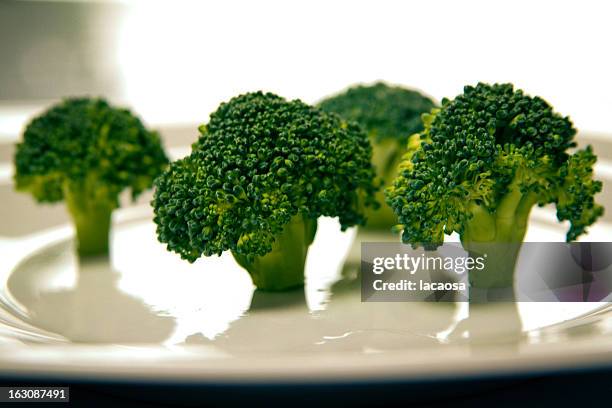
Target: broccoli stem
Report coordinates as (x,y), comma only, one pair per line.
(283,267)
(499,235)
(386,157)
(92,220)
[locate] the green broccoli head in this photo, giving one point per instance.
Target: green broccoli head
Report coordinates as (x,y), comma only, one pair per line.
(86,152)
(389,114)
(483,161)
(261,173)
(386,112)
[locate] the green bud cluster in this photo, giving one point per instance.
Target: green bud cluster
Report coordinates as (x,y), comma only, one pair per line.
(258,163)
(86,152)
(481,163)
(389,114)
(385,111)
(87,144)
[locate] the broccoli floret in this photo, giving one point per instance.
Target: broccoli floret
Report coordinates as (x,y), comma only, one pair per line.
(261,173)
(86,152)
(482,162)
(389,114)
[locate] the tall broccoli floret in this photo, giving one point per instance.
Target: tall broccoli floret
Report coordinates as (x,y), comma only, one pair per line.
(389,114)
(482,162)
(261,173)
(86,152)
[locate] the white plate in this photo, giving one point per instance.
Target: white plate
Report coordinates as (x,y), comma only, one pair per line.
(148,314)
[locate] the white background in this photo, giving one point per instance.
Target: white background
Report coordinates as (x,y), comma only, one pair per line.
(179,59)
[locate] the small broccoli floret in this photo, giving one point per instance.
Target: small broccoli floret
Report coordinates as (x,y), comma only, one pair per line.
(482,162)
(86,152)
(389,114)
(261,173)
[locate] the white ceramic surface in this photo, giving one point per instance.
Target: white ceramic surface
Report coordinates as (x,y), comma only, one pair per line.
(146,313)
